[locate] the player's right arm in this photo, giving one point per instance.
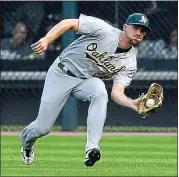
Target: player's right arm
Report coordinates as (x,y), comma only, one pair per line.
(68,24)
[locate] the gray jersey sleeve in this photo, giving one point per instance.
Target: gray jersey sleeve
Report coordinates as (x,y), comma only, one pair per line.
(125,77)
(92,25)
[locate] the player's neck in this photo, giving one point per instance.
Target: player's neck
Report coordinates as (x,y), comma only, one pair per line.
(123,42)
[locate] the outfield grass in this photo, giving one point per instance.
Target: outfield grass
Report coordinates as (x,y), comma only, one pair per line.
(121,156)
(106,128)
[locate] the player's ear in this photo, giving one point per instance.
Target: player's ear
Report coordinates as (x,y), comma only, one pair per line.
(124,27)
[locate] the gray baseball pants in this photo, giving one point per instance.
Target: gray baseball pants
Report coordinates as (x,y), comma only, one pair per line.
(57,88)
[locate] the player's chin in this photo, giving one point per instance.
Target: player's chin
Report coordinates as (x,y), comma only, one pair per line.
(135,42)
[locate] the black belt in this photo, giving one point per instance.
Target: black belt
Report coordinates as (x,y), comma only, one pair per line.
(65,69)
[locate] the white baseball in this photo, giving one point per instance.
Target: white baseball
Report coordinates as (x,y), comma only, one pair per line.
(150,103)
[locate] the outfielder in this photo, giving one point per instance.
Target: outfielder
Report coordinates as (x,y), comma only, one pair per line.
(102,52)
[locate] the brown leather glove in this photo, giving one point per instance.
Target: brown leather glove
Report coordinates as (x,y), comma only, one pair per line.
(155,92)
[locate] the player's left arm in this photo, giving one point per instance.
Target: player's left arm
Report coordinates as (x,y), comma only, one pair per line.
(118,96)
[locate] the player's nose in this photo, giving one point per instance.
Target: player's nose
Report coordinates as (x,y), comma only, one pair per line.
(137,32)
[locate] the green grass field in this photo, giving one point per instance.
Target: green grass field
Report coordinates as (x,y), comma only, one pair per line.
(121,156)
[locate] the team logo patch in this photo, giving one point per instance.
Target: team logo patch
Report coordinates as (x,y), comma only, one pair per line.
(143,19)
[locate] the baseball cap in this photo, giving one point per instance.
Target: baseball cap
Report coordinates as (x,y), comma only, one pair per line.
(138,19)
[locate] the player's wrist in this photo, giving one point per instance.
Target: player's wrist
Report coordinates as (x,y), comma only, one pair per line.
(48,39)
(135,108)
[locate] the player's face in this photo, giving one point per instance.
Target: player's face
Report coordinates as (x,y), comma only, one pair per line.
(134,33)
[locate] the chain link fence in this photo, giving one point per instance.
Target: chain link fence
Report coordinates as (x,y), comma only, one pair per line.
(23,74)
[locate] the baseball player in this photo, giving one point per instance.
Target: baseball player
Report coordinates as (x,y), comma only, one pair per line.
(102,52)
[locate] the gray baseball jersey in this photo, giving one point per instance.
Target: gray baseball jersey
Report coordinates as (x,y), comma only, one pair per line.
(93,54)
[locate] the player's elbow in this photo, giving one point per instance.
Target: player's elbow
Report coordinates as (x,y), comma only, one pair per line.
(113,95)
(71,24)
(117,91)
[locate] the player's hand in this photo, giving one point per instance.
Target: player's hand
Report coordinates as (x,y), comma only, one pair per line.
(40,46)
(135,105)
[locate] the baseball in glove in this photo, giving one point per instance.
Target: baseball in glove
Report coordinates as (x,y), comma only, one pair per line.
(149,102)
